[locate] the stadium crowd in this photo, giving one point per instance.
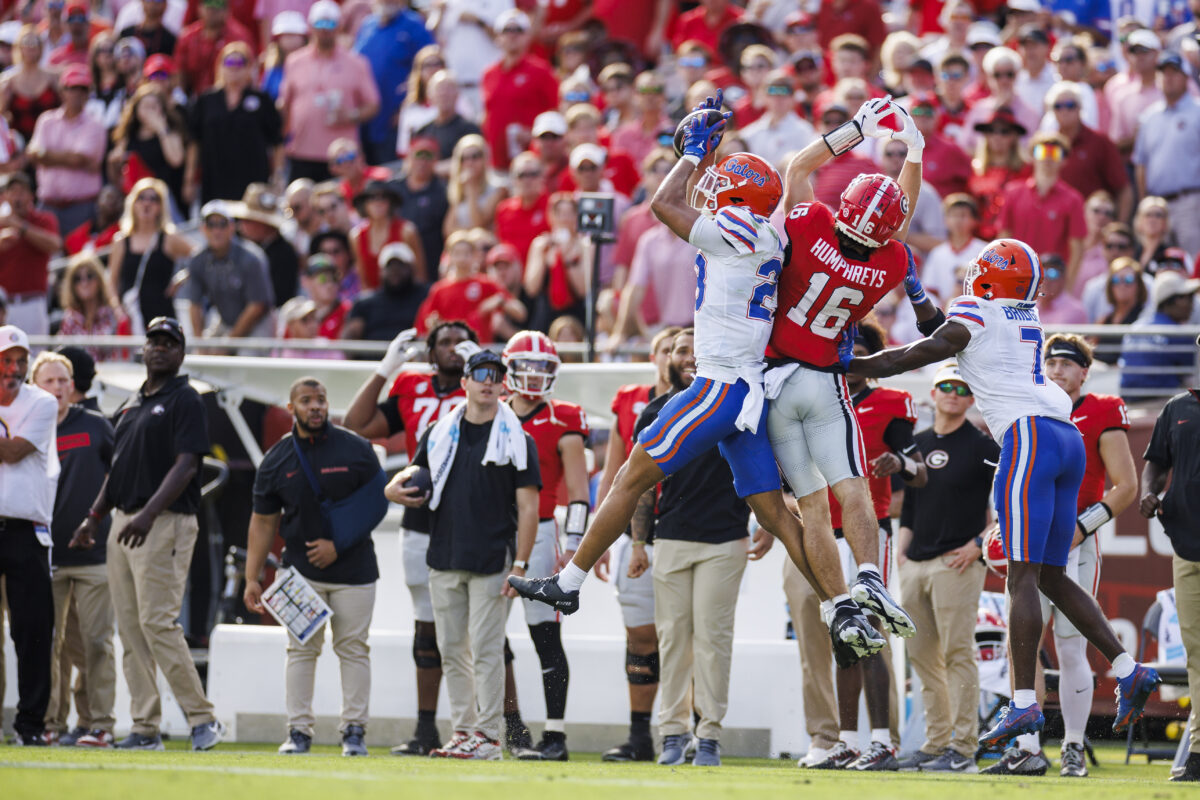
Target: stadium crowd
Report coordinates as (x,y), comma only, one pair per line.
(311,170)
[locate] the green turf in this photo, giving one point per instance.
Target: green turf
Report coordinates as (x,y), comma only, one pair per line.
(255,772)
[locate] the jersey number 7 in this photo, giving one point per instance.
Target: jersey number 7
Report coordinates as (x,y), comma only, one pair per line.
(829,321)
(1033,336)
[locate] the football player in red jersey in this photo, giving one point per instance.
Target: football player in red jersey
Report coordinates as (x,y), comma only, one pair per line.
(635,594)
(837,266)
(415,401)
(560,431)
(1103,421)
(886,418)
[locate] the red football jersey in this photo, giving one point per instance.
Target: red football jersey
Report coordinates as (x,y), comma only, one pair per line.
(821,291)
(1093,415)
(630,400)
(875,410)
(549,422)
(419,404)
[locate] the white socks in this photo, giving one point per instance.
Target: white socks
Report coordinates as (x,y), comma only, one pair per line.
(1029,742)
(1123,665)
(1075,686)
(849,738)
(571,577)
(881,735)
(1024,698)
(869,567)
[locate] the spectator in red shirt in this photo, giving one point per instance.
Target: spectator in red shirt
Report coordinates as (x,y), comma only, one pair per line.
(756,62)
(199,43)
(1094,163)
(520,218)
(550,144)
(705,23)
(515,89)
(465,294)
(79,29)
(945,166)
(643,23)
(861,17)
(997,162)
(349,168)
(832,177)
(28,238)
(639,137)
(321,284)
(1043,211)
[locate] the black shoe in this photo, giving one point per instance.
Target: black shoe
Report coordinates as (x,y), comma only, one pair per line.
(636,749)
(550,748)
(30,739)
(854,638)
(418,746)
(517,737)
(545,590)
(1190,771)
(1016,761)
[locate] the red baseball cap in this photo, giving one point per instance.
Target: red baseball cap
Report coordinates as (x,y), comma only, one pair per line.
(800,19)
(158,63)
(75,76)
(503,252)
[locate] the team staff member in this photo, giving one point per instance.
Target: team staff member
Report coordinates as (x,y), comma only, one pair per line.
(153,491)
(560,431)
(635,595)
(482,514)
(886,418)
(941,576)
(1104,423)
(700,553)
(342,462)
(80,581)
(28,469)
(1174,452)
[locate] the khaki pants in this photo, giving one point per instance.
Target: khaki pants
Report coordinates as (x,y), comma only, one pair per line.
(83,613)
(943,604)
(147,585)
(695,600)
(469,614)
(822,719)
(1187,604)
(352,607)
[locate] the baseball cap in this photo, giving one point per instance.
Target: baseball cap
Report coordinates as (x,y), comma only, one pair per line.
(1171,59)
(588,152)
(549,122)
(1032,32)
(1143,38)
(1168,284)
(319,262)
(286,22)
(800,19)
(502,252)
(76,76)
(485,358)
(515,17)
(158,63)
(9,31)
(77,10)
(398,251)
(217,208)
(323,13)
(983,33)
(921,64)
(168,325)
(1003,115)
(11,336)
(801,56)
(424,144)
(948,372)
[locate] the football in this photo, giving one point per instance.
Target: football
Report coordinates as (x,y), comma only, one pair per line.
(712,116)
(422,479)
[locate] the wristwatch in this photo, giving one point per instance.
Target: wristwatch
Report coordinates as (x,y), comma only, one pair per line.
(520,564)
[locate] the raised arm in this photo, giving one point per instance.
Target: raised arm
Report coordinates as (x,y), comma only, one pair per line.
(947,340)
(670,203)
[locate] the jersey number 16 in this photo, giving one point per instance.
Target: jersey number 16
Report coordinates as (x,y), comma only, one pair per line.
(833,316)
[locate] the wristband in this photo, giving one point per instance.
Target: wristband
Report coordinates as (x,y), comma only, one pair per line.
(930,325)
(914,155)
(93,514)
(638,543)
(577,520)
(1092,517)
(908,468)
(520,564)
(843,138)
(691,159)
(979,542)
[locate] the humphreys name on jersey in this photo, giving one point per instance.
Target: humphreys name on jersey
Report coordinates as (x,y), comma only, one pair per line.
(828,255)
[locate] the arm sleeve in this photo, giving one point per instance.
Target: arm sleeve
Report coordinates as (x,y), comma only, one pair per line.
(1159,449)
(899,436)
(190,425)
(927,327)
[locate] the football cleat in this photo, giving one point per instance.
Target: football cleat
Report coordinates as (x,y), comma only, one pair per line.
(854,638)
(878,758)
(1073,761)
(1012,723)
(841,756)
(870,593)
(1016,761)
(1132,693)
(545,590)
(636,749)
(451,747)
(550,748)
(478,747)
(949,761)
(417,746)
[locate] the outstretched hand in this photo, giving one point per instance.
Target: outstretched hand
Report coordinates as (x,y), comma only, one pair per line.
(912,282)
(870,116)
(701,136)
(713,101)
(845,348)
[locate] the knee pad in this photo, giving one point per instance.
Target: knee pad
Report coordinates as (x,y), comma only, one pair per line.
(425,652)
(508,653)
(641,670)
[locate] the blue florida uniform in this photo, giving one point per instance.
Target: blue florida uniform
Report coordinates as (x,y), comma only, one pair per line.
(1042,457)
(737,269)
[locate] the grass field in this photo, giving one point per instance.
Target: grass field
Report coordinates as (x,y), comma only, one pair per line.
(254,772)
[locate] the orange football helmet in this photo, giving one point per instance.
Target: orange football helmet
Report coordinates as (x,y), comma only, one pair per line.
(532,362)
(872,209)
(741,179)
(1005,270)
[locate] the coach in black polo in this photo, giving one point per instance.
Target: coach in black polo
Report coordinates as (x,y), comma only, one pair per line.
(342,462)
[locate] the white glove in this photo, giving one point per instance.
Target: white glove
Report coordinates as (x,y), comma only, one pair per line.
(909,134)
(870,114)
(394,358)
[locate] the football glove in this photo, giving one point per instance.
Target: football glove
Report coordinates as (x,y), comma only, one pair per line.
(845,350)
(701,136)
(912,283)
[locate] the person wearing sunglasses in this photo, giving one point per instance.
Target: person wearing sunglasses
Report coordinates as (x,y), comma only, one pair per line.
(779,130)
(639,137)
(522,218)
(1001,66)
(515,89)
(198,52)
(1057,306)
(1094,163)
(938,550)
(1132,91)
(1043,211)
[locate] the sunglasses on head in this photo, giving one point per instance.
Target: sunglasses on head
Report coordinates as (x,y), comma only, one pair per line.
(488,372)
(952,387)
(1127,280)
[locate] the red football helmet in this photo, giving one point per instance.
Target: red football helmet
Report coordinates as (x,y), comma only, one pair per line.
(531,360)
(1005,270)
(993,552)
(742,179)
(873,208)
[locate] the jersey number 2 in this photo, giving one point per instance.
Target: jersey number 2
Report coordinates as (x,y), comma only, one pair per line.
(829,321)
(762,302)
(1033,336)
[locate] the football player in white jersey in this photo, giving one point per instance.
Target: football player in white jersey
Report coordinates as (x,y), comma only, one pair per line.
(994,332)
(726,217)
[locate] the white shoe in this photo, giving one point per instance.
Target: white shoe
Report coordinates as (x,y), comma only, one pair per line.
(814,756)
(451,747)
(479,748)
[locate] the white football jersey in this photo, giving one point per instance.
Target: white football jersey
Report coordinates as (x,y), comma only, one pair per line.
(737,270)
(1003,364)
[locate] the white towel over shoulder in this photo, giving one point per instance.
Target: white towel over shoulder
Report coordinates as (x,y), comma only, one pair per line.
(506,445)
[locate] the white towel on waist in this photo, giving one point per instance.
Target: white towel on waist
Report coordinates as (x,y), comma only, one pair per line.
(506,445)
(776,377)
(748,417)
